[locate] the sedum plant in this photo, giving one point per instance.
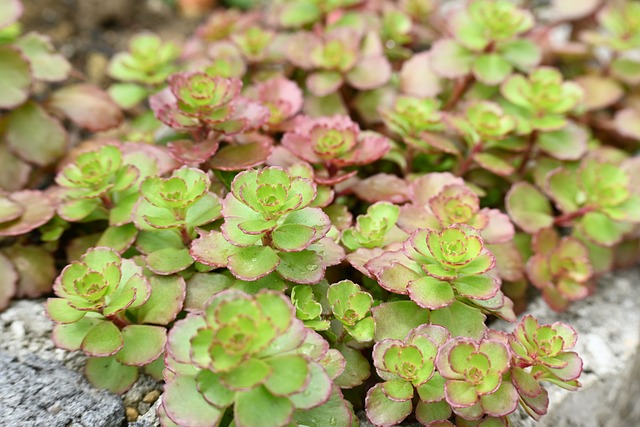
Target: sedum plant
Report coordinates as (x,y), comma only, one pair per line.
(316,209)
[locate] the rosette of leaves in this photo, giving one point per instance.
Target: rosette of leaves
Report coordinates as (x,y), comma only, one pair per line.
(435,268)
(415,120)
(375,229)
(199,102)
(106,307)
(168,213)
(249,352)
(407,366)
(301,13)
(308,308)
(102,184)
(541,353)
(269,226)
(485,128)
(442,199)
(487,42)
(541,101)
(596,199)
(340,54)
(619,33)
(474,377)
(142,69)
(281,96)
(254,43)
(352,308)
(560,268)
(334,143)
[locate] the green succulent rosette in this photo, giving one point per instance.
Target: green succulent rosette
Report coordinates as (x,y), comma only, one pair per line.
(487,42)
(406,366)
(376,228)
(268,227)
(247,351)
(352,308)
(540,101)
(414,119)
(473,373)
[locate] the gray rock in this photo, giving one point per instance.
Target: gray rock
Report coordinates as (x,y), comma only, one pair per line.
(35,392)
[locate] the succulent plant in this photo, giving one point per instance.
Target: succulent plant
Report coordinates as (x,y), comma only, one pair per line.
(245,351)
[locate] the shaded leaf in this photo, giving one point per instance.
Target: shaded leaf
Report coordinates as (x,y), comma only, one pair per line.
(87,106)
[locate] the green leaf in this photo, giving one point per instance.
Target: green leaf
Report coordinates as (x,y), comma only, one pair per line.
(247,375)
(460,393)
(120,238)
(504,401)
(253,262)
(522,53)
(323,83)
(259,407)
(449,59)
(15,76)
(293,237)
(398,390)
(127,95)
(142,344)
(70,336)
(41,144)
(370,73)
(103,339)
(491,69)
(87,106)
(165,301)
(301,267)
(205,210)
(59,310)
(476,287)
(289,374)
(317,390)
(357,368)
(185,405)
(46,65)
(169,260)
(460,320)
(381,410)
(394,320)
(569,143)
(213,390)
(602,230)
(10,12)
(528,207)
(429,292)
(362,331)
(107,372)
(338,411)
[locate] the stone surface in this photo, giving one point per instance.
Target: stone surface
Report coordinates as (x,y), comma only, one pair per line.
(36,392)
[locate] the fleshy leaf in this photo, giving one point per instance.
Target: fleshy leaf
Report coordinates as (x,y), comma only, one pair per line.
(107,372)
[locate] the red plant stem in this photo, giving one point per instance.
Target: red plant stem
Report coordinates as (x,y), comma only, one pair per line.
(458,92)
(568,217)
(118,321)
(533,136)
(464,166)
(106,201)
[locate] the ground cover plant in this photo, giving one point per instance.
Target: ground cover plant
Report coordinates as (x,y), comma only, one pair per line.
(314,208)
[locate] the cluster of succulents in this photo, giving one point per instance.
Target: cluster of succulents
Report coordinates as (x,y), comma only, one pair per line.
(314,208)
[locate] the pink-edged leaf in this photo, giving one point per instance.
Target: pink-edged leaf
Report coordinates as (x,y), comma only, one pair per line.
(572,370)
(191,153)
(103,339)
(528,207)
(370,73)
(9,281)
(503,402)
(15,172)
(15,76)
(46,65)
(34,135)
(38,210)
(525,383)
(569,143)
(627,122)
(394,320)
(233,157)
(449,59)
(383,411)
(185,405)
(382,188)
(429,292)
(165,302)
(418,79)
(323,83)
(460,394)
(600,92)
(142,344)
(10,12)
(36,268)
(108,373)
(499,229)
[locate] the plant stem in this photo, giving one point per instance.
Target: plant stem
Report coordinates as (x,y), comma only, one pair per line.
(458,92)
(568,217)
(533,136)
(464,166)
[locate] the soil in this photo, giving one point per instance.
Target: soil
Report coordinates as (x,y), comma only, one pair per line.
(89,32)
